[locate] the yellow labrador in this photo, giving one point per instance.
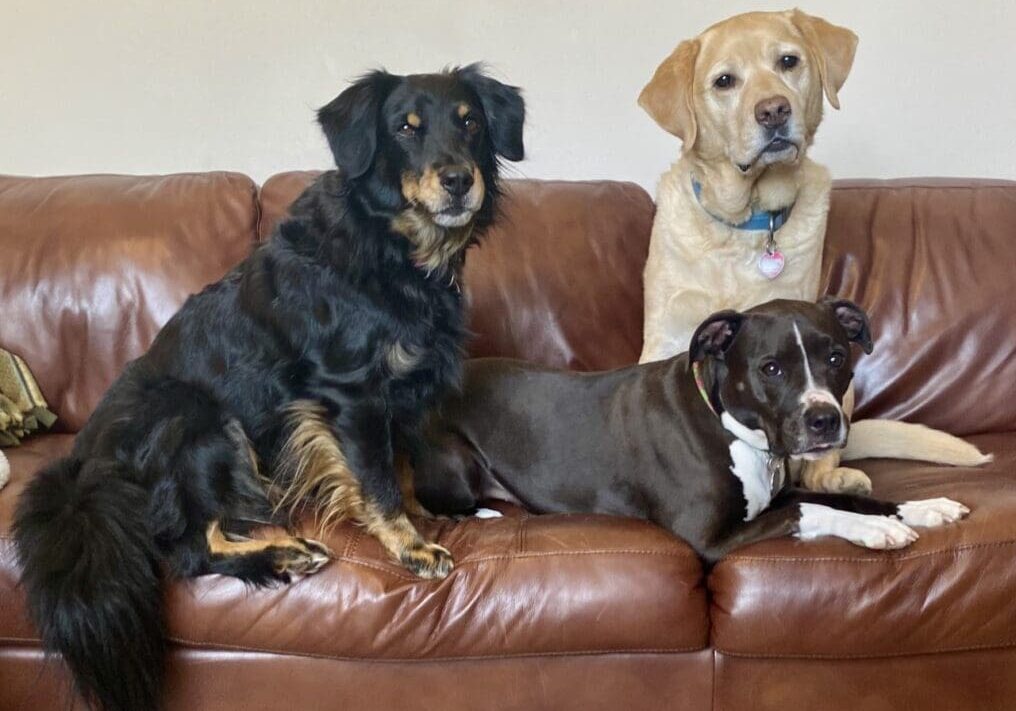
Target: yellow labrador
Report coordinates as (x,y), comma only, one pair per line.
(741,216)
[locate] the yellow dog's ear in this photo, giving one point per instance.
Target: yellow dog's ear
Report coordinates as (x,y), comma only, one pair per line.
(832,47)
(667,98)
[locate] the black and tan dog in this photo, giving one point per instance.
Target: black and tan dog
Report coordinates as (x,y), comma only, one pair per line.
(298,377)
(699,443)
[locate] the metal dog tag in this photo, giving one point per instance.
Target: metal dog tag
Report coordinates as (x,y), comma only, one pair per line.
(771,261)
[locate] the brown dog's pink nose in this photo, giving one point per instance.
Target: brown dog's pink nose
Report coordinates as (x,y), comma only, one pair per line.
(772,112)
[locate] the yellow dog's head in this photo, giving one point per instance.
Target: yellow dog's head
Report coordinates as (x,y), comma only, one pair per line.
(749,89)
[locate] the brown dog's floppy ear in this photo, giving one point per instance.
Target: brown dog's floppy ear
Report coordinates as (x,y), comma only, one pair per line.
(349,122)
(853,319)
(832,47)
(714,335)
(667,98)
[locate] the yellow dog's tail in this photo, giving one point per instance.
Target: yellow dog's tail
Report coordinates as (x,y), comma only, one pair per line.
(887,439)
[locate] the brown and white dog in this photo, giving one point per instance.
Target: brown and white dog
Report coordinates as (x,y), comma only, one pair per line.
(741,215)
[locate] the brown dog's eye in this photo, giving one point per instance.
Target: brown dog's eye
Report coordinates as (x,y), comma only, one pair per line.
(471,124)
(836,360)
(771,369)
(789,61)
(724,81)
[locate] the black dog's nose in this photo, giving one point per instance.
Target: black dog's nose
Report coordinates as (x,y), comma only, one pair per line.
(456,181)
(772,112)
(822,420)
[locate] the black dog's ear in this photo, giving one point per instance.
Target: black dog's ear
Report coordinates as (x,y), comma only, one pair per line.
(715,334)
(853,319)
(504,107)
(349,122)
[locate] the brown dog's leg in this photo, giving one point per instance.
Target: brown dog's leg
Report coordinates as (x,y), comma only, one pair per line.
(826,474)
(864,521)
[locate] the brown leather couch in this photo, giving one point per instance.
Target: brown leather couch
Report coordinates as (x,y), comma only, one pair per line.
(562,612)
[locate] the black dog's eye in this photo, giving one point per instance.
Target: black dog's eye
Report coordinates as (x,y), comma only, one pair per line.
(471,124)
(789,61)
(407,130)
(724,81)
(771,369)
(836,360)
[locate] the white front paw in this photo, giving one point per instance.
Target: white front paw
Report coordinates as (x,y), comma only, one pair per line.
(884,533)
(878,532)
(931,512)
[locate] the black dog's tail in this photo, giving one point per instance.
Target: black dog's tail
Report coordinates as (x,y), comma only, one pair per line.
(91,574)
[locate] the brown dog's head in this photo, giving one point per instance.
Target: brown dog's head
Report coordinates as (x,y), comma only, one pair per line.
(779,372)
(749,89)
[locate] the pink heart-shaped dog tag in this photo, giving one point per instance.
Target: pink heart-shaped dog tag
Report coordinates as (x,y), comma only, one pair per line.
(771,263)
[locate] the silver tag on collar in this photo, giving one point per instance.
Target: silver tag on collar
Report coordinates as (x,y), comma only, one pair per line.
(771,261)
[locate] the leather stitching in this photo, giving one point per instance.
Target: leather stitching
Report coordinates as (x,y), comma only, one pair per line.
(962,548)
(1006,644)
(452,658)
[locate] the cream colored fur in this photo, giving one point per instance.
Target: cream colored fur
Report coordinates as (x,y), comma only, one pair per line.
(885,439)
(698,264)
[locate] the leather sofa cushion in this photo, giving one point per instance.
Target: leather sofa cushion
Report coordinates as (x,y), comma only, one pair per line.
(91,267)
(523,585)
(951,591)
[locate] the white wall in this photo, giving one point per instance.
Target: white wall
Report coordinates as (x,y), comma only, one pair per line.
(178,85)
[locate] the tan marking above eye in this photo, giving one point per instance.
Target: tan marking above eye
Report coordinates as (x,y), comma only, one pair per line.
(464,110)
(413,119)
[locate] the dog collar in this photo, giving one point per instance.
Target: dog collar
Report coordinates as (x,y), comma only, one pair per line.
(771,261)
(700,383)
(769,220)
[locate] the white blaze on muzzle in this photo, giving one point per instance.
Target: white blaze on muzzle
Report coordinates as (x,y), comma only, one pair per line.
(813,395)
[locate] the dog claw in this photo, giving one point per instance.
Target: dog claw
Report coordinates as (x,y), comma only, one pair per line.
(305,557)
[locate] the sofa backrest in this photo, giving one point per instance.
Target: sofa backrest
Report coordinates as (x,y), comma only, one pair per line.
(91,267)
(934,263)
(932,260)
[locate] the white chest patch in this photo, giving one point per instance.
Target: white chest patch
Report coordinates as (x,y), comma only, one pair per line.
(756,438)
(750,462)
(751,466)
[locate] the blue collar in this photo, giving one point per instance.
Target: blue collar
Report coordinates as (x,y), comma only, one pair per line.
(758,220)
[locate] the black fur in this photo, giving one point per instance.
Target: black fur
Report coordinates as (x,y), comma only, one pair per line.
(308,316)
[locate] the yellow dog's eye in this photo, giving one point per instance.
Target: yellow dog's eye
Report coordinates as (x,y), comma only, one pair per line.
(789,61)
(724,81)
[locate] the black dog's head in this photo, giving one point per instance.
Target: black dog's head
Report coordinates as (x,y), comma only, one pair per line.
(422,150)
(779,371)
